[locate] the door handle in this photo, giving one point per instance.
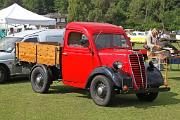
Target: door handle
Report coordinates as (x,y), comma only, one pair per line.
(65,54)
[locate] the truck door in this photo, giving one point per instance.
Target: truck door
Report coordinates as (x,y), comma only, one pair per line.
(77,59)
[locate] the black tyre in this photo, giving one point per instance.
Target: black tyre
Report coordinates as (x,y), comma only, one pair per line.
(4,75)
(101,90)
(147,97)
(40,79)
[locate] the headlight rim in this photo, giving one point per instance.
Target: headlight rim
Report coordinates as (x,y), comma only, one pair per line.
(117,65)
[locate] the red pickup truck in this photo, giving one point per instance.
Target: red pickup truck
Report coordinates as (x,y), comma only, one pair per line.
(94,56)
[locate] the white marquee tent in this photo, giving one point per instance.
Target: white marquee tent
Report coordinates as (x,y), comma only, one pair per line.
(15,14)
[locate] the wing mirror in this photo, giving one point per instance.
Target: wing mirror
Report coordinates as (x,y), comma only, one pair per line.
(84,41)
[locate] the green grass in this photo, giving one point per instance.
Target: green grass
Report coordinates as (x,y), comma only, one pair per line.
(19,102)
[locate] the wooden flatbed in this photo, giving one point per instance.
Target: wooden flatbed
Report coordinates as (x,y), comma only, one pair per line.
(38,53)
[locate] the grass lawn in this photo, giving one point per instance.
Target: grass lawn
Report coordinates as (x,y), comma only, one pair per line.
(19,102)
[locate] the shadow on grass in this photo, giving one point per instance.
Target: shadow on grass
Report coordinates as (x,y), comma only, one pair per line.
(130,100)
(175,70)
(16,80)
(62,89)
(166,98)
(175,78)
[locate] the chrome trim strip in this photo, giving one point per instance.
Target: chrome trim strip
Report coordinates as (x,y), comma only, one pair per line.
(140,70)
(132,72)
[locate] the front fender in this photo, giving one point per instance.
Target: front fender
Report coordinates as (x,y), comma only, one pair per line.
(154,76)
(115,77)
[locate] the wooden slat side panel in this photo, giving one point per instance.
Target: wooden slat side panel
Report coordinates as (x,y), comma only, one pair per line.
(46,54)
(27,52)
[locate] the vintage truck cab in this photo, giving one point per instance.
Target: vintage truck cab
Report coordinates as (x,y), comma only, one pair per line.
(97,57)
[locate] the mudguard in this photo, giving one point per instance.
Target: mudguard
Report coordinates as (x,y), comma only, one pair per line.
(154,76)
(115,77)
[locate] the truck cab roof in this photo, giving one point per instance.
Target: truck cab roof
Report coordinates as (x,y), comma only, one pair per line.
(95,27)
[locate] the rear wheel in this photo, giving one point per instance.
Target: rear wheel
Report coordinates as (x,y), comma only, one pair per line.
(101,90)
(147,97)
(40,79)
(4,74)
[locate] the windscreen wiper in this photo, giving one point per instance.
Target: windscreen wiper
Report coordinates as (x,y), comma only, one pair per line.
(98,35)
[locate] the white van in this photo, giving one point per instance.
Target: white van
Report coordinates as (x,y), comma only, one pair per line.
(7,49)
(178,35)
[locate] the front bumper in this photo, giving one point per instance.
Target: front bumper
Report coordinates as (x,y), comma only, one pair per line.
(147,90)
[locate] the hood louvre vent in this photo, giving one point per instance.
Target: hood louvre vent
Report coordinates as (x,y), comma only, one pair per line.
(138,70)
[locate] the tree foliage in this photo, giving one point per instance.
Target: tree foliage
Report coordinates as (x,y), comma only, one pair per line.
(61,6)
(77,10)
(137,14)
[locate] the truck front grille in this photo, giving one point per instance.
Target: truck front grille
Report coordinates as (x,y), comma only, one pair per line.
(138,70)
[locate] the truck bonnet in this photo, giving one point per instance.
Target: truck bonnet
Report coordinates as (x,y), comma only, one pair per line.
(109,56)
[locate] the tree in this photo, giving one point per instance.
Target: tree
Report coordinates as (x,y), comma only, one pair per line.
(135,11)
(49,4)
(61,6)
(42,9)
(78,10)
(137,14)
(2,4)
(98,10)
(172,22)
(117,12)
(31,5)
(39,6)
(10,2)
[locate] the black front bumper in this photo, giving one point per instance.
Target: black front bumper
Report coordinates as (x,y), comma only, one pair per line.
(147,90)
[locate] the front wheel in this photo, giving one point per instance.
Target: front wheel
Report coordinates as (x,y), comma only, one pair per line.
(40,79)
(101,90)
(147,97)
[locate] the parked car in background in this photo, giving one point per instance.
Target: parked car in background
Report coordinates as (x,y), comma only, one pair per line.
(7,49)
(178,35)
(138,37)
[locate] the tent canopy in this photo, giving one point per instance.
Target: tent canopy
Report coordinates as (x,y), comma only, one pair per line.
(15,14)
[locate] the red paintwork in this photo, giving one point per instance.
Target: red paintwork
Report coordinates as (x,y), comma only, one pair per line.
(109,56)
(78,63)
(141,51)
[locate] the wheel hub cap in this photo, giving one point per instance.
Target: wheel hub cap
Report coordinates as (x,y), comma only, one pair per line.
(39,79)
(101,91)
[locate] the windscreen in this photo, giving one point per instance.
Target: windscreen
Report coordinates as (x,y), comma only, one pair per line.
(7,44)
(103,41)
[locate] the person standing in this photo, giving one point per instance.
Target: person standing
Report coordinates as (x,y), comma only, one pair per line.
(11,31)
(153,41)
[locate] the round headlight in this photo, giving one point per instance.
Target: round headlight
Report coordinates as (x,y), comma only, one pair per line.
(117,65)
